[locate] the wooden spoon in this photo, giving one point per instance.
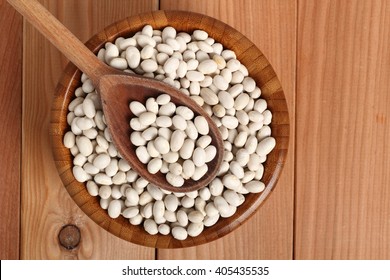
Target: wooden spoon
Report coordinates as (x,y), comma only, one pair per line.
(117,89)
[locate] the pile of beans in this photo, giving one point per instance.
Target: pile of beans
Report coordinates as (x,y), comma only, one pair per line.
(171,139)
(212,76)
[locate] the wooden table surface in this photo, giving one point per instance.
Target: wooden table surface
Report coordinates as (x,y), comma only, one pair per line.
(333,199)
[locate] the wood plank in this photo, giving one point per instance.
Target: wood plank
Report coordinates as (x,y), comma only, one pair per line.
(46,206)
(10,117)
(343,105)
(271,25)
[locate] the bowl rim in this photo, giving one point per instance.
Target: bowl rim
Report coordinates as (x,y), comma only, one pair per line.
(265,77)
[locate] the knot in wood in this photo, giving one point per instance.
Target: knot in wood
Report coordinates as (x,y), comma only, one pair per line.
(69,236)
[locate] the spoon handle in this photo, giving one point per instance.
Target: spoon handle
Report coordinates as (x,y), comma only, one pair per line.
(60,37)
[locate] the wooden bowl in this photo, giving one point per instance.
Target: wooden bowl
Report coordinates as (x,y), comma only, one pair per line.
(259,69)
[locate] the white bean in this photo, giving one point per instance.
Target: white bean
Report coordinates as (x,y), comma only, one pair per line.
(267,117)
(210,221)
(242,157)
(101,161)
(191,130)
(144,40)
(265,146)
(251,144)
(249,84)
(254,162)
(255,186)
(132,197)
(125,43)
(211,210)
(260,105)
(241,101)
(231,182)
(264,132)
(221,204)
(228,212)
(188,168)
(179,233)
(137,220)
(221,62)
(162,145)
(163,99)
(150,226)
(171,65)
(200,35)
(102,179)
(232,198)
(133,57)
(236,169)
(195,76)
(194,229)
(155,192)
(220,82)
(171,157)
(248,176)
(164,121)
(149,65)
(80,174)
(201,125)
(147,52)
(164,229)
(185,112)
(142,154)
(118,63)
(154,165)
(114,209)
(69,139)
(130,212)
(235,91)
(158,209)
(199,156)
(165,48)
(226,99)
(84,145)
(230,122)
(211,152)
(175,168)
(175,180)
(182,218)
(91,169)
(199,172)
(171,202)
(209,96)
(112,168)
(208,66)
(170,216)
(92,188)
(187,149)
(165,133)
(179,122)
(216,186)
(148,134)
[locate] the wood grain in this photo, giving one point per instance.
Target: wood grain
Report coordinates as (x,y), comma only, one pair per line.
(342,126)
(342,152)
(46,206)
(271,26)
(10,134)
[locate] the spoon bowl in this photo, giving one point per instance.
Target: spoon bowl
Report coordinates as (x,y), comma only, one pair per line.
(116,90)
